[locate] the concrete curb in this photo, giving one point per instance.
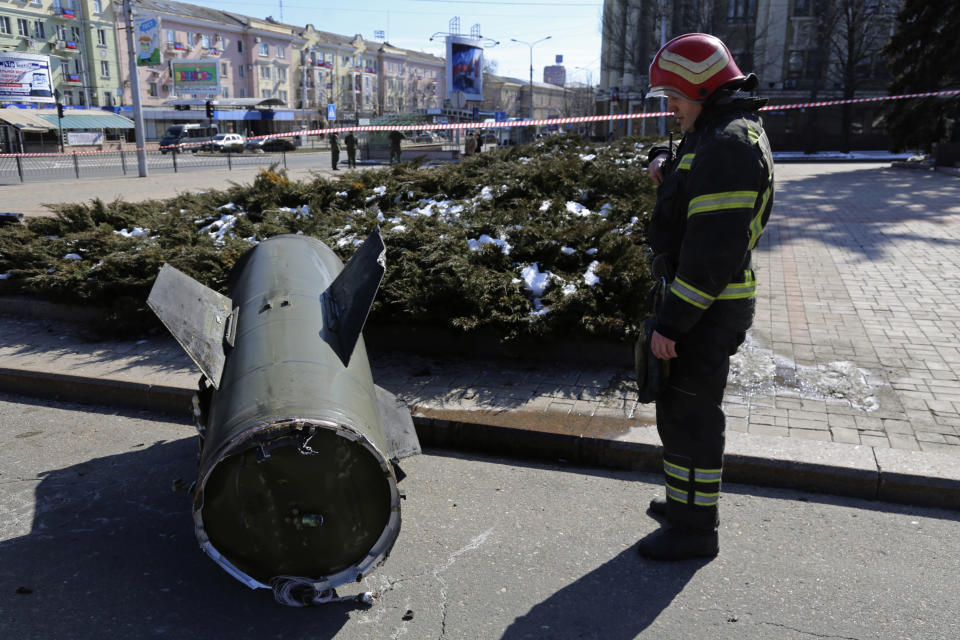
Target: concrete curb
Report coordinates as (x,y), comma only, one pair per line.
(909,477)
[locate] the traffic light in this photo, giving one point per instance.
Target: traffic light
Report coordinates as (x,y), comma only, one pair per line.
(59,110)
(209,107)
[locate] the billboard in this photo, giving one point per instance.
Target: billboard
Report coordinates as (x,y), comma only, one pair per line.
(25,77)
(146,36)
(465,67)
(195,76)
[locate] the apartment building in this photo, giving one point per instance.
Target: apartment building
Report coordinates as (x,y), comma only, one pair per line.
(77,38)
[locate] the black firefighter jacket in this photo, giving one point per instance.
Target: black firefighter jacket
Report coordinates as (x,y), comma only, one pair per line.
(711,209)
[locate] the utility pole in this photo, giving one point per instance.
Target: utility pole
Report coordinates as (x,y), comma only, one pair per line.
(530,44)
(135,92)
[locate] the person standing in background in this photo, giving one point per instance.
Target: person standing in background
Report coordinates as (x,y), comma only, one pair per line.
(350,141)
(334,150)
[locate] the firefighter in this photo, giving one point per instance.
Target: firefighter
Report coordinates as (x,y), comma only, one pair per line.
(714,195)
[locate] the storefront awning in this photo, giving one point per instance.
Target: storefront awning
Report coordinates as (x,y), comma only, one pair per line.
(24,120)
(99,120)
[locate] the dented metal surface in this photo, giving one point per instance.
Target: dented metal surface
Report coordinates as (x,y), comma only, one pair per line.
(297,486)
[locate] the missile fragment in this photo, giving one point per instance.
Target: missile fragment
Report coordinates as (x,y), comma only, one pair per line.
(297,481)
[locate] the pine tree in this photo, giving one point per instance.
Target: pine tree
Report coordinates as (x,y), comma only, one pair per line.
(923,54)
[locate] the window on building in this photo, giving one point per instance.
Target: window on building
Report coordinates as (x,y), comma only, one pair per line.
(281,51)
(205,40)
(77,69)
(265,72)
(61,32)
(81,98)
(281,75)
(239,46)
(67,97)
(282,95)
(264,49)
(801,7)
(226,92)
(741,10)
(266,93)
(107,99)
(23,27)
(795,63)
(75,33)
(242,92)
(98,6)
(101,37)
(224,67)
(104,69)
(5,25)
(171,35)
(152,90)
(241,71)
(39,32)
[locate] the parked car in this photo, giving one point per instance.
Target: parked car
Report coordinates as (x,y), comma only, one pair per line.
(427,136)
(224,142)
(271,143)
(183,137)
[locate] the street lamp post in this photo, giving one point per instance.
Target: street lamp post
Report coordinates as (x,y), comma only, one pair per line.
(530,44)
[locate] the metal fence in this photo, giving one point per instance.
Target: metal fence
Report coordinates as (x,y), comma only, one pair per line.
(41,167)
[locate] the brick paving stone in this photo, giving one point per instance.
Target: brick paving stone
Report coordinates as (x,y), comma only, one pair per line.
(809,434)
(930,436)
(874,441)
(814,425)
(845,435)
(938,447)
(768,430)
(905,441)
(897,426)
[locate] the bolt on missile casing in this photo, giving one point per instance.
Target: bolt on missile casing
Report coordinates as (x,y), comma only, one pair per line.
(297,488)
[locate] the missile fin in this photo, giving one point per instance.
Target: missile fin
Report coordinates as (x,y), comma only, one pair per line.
(200,319)
(350,296)
(397,425)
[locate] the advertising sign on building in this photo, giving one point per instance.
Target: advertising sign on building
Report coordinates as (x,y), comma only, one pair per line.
(465,67)
(25,77)
(195,76)
(146,34)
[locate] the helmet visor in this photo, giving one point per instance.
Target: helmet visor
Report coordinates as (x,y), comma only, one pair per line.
(666,91)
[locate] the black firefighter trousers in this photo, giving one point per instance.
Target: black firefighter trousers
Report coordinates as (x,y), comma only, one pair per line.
(691,424)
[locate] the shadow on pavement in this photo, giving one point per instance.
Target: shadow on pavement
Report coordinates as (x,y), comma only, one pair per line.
(617,600)
(112,554)
(865,211)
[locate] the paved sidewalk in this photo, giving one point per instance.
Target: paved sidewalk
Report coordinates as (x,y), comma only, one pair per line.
(848,382)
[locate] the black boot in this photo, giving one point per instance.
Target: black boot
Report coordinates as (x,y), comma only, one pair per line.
(680,543)
(658,506)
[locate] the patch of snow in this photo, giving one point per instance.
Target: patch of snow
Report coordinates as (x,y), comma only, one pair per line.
(590,276)
(133,233)
(476,244)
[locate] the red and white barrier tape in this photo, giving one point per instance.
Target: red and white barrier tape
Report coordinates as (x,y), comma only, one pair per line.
(512,123)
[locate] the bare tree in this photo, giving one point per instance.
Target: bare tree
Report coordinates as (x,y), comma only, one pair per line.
(862,29)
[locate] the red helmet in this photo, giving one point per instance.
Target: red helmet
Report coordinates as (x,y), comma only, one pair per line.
(692,66)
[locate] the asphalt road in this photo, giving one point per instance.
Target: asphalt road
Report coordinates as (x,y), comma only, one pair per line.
(95,543)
